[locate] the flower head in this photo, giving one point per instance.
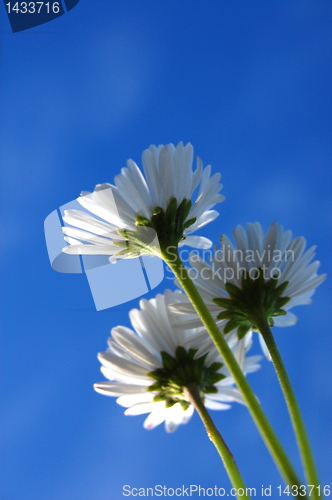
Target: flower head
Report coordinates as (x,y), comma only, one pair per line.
(148,369)
(140,209)
(267,274)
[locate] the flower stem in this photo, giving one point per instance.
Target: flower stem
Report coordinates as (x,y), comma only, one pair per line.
(172,259)
(193,395)
(292,404)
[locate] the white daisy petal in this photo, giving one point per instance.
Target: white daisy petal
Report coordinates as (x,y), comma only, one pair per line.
(288,320)
(140,408)
(174,417)
(111,361)
(136,346)
(228,394)
(111,373)
(196,242)
(211,404)
(155,418)
(265,350)
(187,414)
(118,389)
(81,249)
(133,399)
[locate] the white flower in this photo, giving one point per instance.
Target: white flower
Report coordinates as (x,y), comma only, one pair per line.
(137,365)
(271,269)
(158,201)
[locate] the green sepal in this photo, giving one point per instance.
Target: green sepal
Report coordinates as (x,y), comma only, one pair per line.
(210,389)
(282,301)
(223,302)
(225,315)
(181,215)
(233,290)
(123,233)
(184,405)
(279,312)
(201,360)
(183,210)
(126,251)
(231,325)
(170,215)
(155,387)
(168,360)
(189,223)
(142,221)
(180,353)
(187,209)
(216,377)
(121,243)
(243,330)
(216,366)
(170,403)
(191,353)
(281,288)
(271,284)
(159,397)
(157,211)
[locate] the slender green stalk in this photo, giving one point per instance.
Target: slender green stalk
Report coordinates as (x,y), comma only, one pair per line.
(192,394)
(172,259)
(292,404)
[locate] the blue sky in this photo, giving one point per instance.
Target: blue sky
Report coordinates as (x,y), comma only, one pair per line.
(249,85)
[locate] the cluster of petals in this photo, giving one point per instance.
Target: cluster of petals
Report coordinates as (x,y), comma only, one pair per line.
(276,253)
(132,354)
(168,174)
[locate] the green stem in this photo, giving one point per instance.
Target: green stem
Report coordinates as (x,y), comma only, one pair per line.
(292,404)
(172,259)
(192,394)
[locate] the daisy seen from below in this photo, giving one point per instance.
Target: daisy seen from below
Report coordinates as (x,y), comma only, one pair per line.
(261,275)
(253,286)
(142,211)
(150,369)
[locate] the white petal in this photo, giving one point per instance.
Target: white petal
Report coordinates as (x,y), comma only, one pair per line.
(188,414)
(205,218)
(288,320)
(196,242)
(227,394)
(264,347)
(118,389)
(81,249)
(129,400)
(142,408)
(174,417)
(120,376)
(155,418)
(135,345)
(125,366)
(215,405)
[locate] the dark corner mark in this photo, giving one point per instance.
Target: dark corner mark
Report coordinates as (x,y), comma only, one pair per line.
(70,4)
(26,15)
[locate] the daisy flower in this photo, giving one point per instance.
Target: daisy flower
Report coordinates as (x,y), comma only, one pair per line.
(149,368)
(272,272)
(165,204)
